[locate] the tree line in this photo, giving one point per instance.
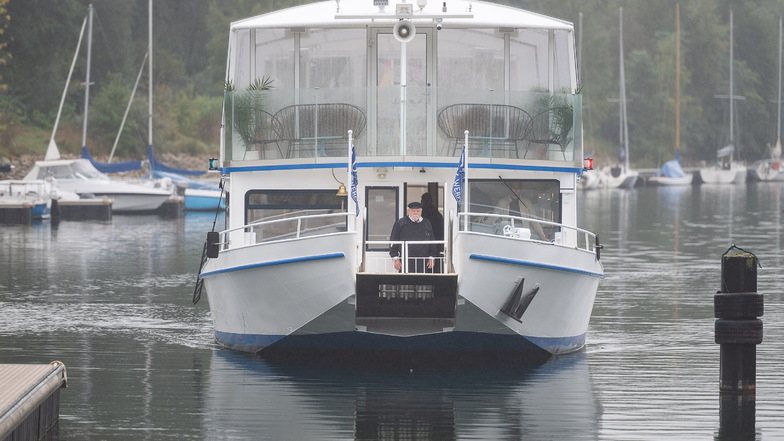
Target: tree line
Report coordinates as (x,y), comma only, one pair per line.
(38,39)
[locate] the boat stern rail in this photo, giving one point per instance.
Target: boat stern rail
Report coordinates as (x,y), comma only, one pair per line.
(519,228)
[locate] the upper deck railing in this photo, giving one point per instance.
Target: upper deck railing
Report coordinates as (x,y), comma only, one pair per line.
(285,124)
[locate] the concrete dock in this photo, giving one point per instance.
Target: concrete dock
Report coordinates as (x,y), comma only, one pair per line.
(30,400)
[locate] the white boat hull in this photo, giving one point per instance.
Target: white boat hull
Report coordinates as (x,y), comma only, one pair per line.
(671,180)
(718,176)
(79,176)
(305,297)
(618,178)
(767,170)
(589,181)
(203,200)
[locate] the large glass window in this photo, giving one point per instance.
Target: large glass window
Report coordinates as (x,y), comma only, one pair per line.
(389,99)
(333,58)
(289,208)
(471,59)
(534,200)
(273,57)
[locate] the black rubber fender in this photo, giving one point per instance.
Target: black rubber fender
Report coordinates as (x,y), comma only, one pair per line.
(739,331)
(738,305)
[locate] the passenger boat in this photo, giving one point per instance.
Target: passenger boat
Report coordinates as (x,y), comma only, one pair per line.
(476,104)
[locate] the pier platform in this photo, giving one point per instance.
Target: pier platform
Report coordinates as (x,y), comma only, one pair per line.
(83,209)
(30,400)
(16,213)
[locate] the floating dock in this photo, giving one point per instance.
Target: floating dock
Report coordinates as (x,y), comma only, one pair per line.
(16,213)
(30,400)
(83,209)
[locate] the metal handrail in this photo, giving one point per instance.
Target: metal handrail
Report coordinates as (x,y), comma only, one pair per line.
(297,231)
(589,237)
(404,257)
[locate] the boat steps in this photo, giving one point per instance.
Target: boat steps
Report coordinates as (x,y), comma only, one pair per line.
(406,304)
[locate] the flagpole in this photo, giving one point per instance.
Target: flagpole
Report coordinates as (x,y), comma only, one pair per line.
(464,200)
(350,165)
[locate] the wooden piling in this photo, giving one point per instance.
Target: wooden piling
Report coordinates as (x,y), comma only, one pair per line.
(738,329)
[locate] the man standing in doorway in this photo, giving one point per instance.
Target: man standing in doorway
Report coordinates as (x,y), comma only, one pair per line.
(413,228)
(431,213)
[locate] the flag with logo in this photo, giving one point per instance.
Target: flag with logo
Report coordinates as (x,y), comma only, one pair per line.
(354,179)
(457,186)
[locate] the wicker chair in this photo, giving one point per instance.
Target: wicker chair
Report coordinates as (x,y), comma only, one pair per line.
(319,129)
(492,128)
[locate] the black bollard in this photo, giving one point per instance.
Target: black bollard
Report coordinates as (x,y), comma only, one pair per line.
(738,329)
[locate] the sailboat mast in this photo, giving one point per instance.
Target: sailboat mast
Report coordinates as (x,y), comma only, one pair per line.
(732,88)
(778,114)
(624,124)
(87,74)
(677,77)
(149,74)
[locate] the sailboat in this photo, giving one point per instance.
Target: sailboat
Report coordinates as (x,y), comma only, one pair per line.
(620,175)
(725,169)
(769,169)
(671,172)
(79,175)
(198,194)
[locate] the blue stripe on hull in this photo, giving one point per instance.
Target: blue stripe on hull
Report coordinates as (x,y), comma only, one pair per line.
(533,264)
(456,341)
(274,263)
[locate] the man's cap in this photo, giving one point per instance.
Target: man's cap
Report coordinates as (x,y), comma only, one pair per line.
(415,204)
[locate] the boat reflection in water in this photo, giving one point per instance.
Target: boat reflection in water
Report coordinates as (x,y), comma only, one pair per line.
(552,401)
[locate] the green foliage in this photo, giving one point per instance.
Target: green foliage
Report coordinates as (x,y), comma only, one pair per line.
(5,56)
(198,120)
(243,116)
(107,108)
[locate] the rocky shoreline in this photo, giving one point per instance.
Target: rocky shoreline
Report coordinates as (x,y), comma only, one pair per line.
(22,164)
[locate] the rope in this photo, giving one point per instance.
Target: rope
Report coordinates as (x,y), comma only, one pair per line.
(734,247)
(199,281)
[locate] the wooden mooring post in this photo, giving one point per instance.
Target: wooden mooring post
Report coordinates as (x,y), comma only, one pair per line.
(738,331)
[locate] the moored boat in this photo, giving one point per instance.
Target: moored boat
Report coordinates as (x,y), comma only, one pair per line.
(80,177)
(379,95)
(725,169)
(671,173)
(620,175)
(769,169)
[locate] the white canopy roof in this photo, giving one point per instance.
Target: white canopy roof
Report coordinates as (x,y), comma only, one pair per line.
(363,12)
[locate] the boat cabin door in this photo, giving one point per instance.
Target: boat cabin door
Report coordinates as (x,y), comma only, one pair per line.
(385,205)
(403,73)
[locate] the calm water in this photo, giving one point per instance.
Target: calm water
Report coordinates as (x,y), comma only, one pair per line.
(113,302)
